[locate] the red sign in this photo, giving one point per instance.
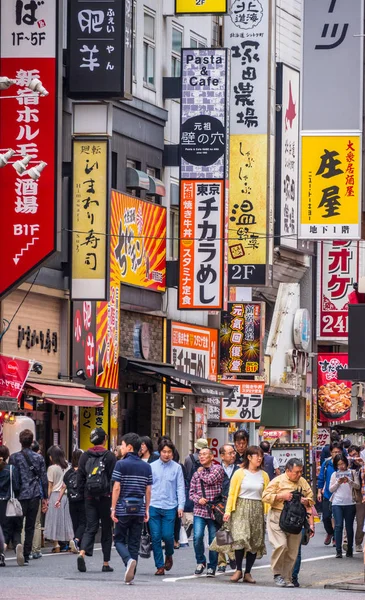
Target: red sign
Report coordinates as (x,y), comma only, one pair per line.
(334,396)
(28,126)
(13,374)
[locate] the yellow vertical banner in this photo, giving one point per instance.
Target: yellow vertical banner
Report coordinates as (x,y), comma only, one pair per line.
(91,417)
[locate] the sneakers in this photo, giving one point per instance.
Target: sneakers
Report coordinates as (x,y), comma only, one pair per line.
(36,555)
(349,554)
(73,547)
(2,560)
(199,569)
(289,584)
(221,569)
(295,582)
(327,539)
(19,555)
(358,548)
(279,581)
(81,565)
(211,573)
(339,555)
(107,569)
(130,569)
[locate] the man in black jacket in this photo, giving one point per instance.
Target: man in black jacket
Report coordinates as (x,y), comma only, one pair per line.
(94,482)
(228,457)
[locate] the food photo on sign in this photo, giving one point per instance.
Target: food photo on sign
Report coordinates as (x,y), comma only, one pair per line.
(334,396)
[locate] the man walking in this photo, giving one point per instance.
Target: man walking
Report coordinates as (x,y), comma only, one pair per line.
(94,475)
(270,464)
(191,465)
(130,502)
(168,496)
(228,456)
(286,545)
(206,485)
(324,494)
(240,439)
(33,486)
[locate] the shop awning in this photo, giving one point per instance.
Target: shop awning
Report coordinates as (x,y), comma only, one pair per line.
(355,426)
(64,396)
(198,385)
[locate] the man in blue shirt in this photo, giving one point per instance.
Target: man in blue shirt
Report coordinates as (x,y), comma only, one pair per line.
(168,495)
(130,502)
(324,493)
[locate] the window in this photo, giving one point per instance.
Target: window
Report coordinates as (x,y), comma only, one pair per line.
(177,37)
(134,72)
(174,233)
(151,171)
(196,42)
(149,50)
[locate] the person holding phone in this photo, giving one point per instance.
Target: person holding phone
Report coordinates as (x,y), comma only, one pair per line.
(342,485)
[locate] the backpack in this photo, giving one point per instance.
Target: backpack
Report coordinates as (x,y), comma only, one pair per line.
(269,466)
(189,504)
(73,493)
(97,481)
(294,514)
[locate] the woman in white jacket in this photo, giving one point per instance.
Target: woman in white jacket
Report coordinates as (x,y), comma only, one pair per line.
(342,485)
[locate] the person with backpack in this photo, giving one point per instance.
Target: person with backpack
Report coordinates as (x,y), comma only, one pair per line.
(289,496)
(324,494)
(191,465)
(270,464)
(76,501)
(94,475)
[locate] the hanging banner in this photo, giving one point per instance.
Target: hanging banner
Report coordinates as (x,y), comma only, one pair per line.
(89,418)
(203,127)
(201,245)
(13,375)
(334,396)
(90,220)
(338,268)
(246,34)
(241,339)
(245,406)
(84,341)
(200,7)
(29,48)
(331,187)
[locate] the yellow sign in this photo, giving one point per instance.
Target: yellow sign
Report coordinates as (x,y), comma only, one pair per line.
(202,7)
(248,212)
(330,187)
(90,418)
(89,220)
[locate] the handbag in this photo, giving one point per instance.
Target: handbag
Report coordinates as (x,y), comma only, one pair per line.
(356,494)
(13,506)
(217,506)
(223,537)
(145,546)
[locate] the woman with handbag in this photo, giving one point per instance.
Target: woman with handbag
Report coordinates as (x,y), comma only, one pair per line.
(58,524)
(344,484)
(9,488)
(244,514)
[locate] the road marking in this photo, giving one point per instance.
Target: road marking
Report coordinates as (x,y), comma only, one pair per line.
(47,554)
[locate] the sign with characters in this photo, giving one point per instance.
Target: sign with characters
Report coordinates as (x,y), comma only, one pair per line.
(90,220)
(334,395)
(29,47)
(201,244)
(246,403)
(13,375)
(241,350)
(89,418)
(330,187)
(284,452)
(84,340)
(100,48)
(246,34)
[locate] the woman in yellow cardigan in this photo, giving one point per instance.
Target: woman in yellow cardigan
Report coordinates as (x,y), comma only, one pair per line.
(245,513)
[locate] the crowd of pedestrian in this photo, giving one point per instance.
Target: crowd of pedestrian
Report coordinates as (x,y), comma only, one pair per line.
(142,499)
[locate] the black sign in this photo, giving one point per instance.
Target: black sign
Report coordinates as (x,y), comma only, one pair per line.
(100,40)
(203,140)
(84,341)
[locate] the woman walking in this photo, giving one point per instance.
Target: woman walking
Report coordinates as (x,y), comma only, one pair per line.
(76,501)
(146,452)
(245,513)
(58,525)
(11,526)
(343,483)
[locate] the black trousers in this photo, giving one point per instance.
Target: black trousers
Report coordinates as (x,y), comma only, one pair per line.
(30,510)
(327,516)
(11,526)
(78,518)
(97,511)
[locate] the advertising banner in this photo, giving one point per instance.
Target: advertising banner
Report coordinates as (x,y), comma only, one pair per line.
(330,187)
(90,220)
(246,34)
(89,418)
(100,48)
(338,268)
(29,45)
(246,403)
(334,396)
(13,375)
(241,339)
(203,113)
(200,7)
(84,340)
(201,244)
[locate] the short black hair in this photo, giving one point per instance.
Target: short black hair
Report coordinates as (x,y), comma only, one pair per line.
(241,434)
(265,446)
(167,443)
(354,448)
(26,438)
(35,446)
(337,459)
(335,437)
(335,445)
(163,437)
(75,458)
(148,443)
(346,443)
(132,439)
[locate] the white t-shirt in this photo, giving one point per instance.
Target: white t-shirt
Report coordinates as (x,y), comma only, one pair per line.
(275,463)
(55,475)
(343,495)
(252,485)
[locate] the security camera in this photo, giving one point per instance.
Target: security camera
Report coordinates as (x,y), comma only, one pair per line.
(5,83)
(21,165)
(37,86)
(35,172)
(5,157)
(37,368)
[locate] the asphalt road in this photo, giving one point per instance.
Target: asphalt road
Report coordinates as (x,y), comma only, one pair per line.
(55,577)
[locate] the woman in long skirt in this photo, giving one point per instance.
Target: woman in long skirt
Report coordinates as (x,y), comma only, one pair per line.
(58,524)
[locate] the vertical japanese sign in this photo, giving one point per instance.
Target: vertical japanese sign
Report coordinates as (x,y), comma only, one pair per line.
(90,220)
(200,7)
(246,33)
(241,339)
(330,187)
(84,340)
(338,269)
(201,244)
(89,418)
(246,403)
(287,155)
(100,37)
(29,47)
(334,396)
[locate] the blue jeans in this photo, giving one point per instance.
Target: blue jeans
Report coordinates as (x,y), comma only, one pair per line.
(341,514)
(127,537)
(162,524)
(298,562)
(200,523)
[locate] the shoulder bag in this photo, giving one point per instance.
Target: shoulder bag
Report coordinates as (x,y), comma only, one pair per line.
(216,507)
(356,494)
(13,507)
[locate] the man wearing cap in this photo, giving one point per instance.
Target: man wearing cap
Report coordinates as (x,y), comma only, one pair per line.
(94,482)
(191,465)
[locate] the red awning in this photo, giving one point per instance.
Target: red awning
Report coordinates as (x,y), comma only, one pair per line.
(65,396)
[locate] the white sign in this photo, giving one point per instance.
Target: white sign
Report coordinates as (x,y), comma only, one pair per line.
(217,437)
(283,455)
(246,403)
(28,29)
